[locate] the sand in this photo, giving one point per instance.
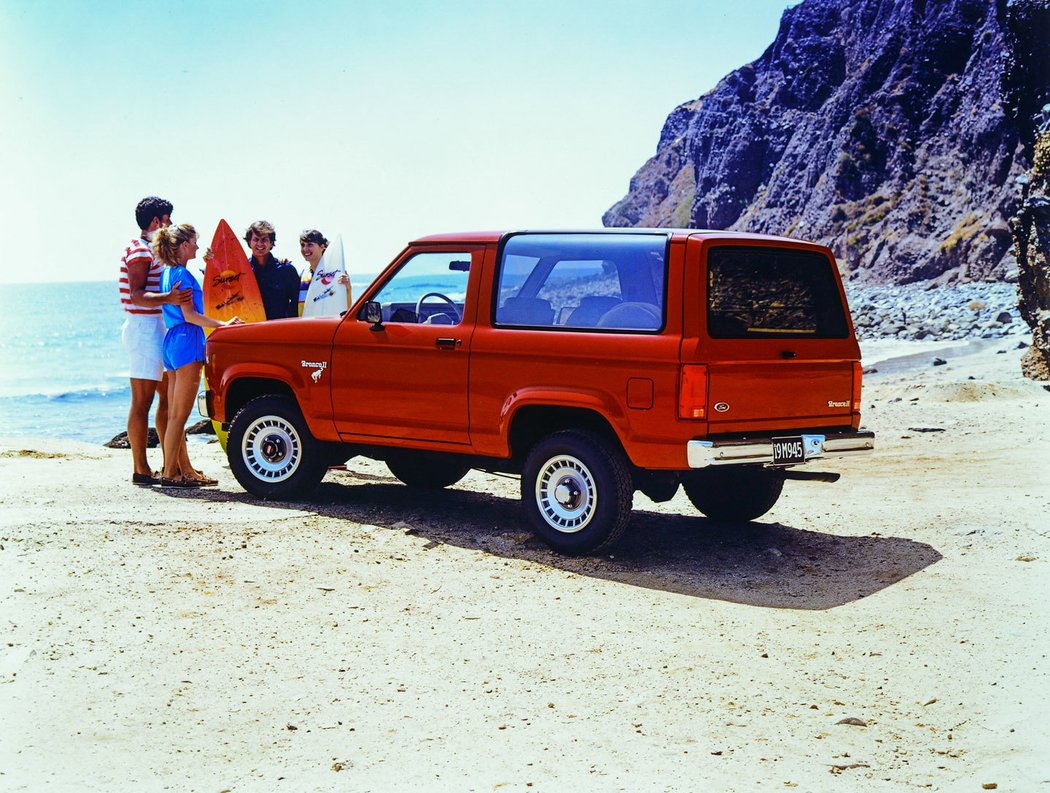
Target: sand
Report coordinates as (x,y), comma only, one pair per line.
(887,632)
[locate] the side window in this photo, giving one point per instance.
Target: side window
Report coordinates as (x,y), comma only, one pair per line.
(428,289)
(583,281)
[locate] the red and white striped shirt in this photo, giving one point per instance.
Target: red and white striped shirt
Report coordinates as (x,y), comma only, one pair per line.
(138,251)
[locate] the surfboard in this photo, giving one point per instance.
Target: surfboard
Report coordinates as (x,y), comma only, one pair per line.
(326,297)
(230,289)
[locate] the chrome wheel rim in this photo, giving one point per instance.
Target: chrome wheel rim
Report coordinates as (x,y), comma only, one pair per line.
(566,494)
(272,449)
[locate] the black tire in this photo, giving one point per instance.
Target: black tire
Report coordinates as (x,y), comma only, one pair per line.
(734,494)
(577,491)
(271,451)
(427,472)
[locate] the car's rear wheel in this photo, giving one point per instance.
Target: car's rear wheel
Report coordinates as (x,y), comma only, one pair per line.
(271,451)
(736,494)
(577,491)
(427,472)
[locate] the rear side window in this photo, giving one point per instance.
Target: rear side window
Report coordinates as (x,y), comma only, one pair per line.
(582,282)
(772,293)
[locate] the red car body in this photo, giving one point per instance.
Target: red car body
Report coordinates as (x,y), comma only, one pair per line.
(681,356)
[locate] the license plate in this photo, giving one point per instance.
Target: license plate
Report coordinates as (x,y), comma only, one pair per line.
(787,451)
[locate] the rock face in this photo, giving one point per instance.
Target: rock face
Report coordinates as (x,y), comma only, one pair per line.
(1032,227)
(877,127)
(1028,84)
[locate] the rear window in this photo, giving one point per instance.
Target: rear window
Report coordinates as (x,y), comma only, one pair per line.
(772,293)
(604,282)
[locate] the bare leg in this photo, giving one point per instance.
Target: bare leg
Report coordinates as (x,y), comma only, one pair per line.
(162,407)
(181,395)
(142,392)
(182,461)
(185,466)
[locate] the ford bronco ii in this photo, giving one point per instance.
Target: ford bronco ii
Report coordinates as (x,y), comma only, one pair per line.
(592,364)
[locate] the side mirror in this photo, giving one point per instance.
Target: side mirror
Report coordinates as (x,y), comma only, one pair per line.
(374,314)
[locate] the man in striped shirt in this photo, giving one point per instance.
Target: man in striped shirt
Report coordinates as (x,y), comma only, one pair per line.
(143,331)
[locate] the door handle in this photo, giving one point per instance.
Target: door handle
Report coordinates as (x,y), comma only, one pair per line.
(447,343)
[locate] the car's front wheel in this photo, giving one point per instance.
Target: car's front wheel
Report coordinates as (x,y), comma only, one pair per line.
(271,451)
(577,491)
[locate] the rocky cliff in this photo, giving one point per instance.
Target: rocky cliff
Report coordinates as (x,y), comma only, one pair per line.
(1032,228)
(883,128)
(1027,92)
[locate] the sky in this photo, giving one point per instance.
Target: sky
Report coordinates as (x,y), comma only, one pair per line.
(377,120)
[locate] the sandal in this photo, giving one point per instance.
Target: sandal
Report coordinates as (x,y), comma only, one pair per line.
(145,480)
(179,482)
(204,481)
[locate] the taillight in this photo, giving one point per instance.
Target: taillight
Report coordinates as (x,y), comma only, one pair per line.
(857,373)
(692,399)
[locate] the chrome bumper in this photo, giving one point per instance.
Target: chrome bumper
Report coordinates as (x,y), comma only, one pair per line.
(702,454)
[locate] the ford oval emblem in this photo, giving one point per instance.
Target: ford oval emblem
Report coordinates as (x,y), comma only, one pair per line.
(721,407)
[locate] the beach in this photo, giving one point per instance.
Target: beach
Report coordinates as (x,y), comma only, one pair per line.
(882,633)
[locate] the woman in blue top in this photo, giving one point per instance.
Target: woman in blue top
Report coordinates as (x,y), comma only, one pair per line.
(183,348)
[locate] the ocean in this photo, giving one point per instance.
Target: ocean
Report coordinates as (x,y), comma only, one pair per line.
(63,364)
(63,370)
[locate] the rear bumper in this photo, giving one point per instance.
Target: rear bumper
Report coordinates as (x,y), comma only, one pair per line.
(759,450)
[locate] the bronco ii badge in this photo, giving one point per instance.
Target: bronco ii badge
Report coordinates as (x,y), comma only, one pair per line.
(320,366)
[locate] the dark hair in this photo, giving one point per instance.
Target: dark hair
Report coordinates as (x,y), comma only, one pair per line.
(151,207)
(313,235)
(261,228)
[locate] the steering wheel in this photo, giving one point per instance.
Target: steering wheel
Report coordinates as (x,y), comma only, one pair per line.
(440,296)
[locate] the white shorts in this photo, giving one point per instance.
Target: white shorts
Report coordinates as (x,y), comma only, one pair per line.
(143,337)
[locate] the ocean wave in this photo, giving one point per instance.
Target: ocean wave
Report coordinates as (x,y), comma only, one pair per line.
(75,394)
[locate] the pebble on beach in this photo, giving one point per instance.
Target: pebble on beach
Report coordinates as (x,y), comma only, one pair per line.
(914,312)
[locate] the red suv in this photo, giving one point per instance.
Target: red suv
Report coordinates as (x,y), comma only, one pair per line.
(591,363)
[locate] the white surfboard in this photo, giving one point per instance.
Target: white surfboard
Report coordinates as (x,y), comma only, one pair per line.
(326,297)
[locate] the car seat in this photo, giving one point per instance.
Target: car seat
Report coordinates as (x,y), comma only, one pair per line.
(525,311)
(590,310)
